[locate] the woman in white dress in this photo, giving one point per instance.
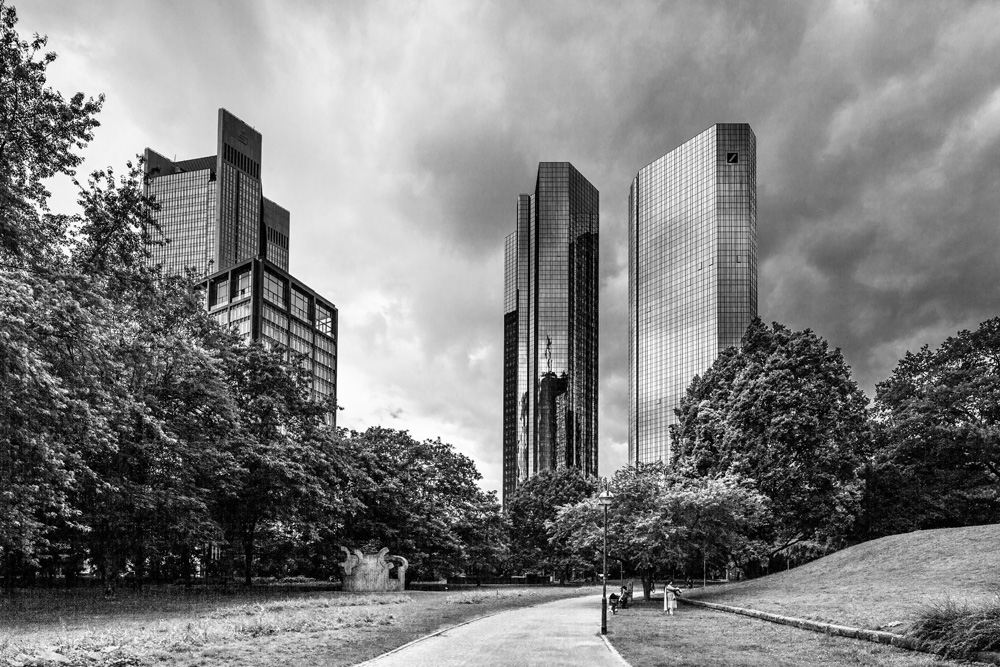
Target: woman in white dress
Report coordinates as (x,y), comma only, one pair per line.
(670,593)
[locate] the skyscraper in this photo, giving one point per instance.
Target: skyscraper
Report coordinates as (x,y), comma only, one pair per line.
(550,328)
(215,221)
(212,210)
(692,273)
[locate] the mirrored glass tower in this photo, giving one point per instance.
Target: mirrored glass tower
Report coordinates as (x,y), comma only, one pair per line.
(550,328)
(692,224)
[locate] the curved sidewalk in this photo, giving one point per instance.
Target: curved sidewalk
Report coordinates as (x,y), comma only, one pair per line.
(560,633)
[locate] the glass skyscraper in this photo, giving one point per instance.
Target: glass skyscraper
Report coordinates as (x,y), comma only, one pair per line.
(550,328)
(692,273)
(215,221)
(212,213)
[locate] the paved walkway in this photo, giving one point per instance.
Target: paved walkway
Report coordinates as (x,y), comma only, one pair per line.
(565,632)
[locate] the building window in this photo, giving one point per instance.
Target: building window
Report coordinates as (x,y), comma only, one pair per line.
(274,289)
(240,311)
(241,285)
(219,293)
(325,344)
(276,316)
(300,305)
(324,320)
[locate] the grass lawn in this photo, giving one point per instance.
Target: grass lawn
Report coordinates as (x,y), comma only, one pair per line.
(647,637)
(879,585)
(883,584)
(172,627)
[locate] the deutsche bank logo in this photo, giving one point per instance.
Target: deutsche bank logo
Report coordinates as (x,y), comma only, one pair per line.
(732,158)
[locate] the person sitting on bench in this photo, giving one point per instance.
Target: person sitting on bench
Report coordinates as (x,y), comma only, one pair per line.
(625,597)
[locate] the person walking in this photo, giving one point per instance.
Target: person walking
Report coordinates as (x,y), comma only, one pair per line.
(670,593)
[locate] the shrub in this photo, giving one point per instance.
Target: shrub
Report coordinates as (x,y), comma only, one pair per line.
(958,630)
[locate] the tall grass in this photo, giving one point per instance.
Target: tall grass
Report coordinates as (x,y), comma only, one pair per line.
(122,642)
(959,630)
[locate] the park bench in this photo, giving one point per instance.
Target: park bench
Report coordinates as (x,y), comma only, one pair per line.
(620,601)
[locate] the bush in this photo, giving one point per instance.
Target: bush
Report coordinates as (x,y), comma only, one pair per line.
(958,630)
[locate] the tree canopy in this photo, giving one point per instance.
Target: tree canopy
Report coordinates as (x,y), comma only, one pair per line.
(661,521)
(535,503)
(422,500)
(783,413)
(938,464)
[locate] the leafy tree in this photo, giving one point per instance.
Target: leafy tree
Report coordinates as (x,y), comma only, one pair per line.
(783,413)
(535,503)
(661,521)
(484,533)
(939,460)
(422,501)
(40,132)
(279,465)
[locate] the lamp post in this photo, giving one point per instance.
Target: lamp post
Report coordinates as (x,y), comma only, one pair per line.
(605,499)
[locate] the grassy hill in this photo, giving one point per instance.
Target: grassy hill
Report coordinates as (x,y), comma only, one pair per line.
(880,584)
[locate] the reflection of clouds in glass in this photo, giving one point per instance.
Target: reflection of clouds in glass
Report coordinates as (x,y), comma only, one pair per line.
(552,277)
(692,273)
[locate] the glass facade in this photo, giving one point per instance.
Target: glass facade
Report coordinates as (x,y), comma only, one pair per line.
(276,226)
(550,328)
(215,221)
(212,212)
(186,216)
(692,273)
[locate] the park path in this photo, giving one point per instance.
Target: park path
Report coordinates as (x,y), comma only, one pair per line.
(565,632)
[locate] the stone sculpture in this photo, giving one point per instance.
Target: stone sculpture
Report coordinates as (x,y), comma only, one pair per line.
(370,572)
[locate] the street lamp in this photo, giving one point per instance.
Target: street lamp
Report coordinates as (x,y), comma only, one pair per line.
(605,499)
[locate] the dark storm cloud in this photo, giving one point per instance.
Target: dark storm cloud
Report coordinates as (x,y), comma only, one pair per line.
(478,172)
(880,224)
(399,135)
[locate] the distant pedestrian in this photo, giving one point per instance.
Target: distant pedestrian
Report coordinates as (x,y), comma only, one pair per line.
(670,593)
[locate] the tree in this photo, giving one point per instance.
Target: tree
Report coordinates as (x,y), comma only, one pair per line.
(939,460)
(39,134)
(535,503)
(783,413)
(421,499)
(663,521)
(281,461)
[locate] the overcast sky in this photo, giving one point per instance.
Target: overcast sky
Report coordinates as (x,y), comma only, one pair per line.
(399,134)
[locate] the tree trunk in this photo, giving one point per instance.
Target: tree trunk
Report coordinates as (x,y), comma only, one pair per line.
(140,567)
(248,547)
(186,565)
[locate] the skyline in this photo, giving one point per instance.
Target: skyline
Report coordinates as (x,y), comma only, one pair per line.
(398,137)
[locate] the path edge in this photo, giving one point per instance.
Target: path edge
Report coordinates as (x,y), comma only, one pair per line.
(614,651)
(875,636)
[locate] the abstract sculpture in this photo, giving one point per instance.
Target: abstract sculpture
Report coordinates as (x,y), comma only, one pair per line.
(370,572)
